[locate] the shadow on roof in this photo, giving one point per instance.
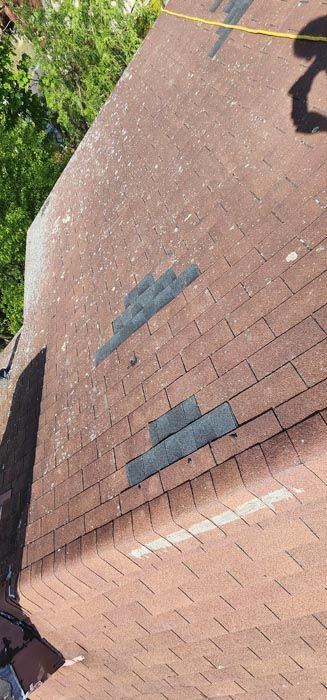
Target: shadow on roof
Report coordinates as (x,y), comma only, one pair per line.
(316,52)
(25,658)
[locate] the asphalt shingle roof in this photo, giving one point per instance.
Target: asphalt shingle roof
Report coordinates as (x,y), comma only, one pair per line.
(206,578)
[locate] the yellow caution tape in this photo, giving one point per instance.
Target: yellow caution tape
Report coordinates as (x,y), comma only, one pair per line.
(266,32)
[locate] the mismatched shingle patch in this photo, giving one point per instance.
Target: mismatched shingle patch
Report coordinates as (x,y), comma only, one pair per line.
(171,422)
(178,433)
(143,302)
(235,10)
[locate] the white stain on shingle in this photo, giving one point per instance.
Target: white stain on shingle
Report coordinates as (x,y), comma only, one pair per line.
(291,256)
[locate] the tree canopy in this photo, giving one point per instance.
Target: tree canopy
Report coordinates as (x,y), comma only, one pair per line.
(29,167)
(82,48)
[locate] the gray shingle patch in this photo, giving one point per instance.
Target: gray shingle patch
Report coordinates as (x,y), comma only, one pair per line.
(174,420)
(186,277)
(142,467)
(215,5)
(180,439)
(154,458)
(139,289)
(163,298)
(167,278)
(204,430)
(102,353)
(130,313)
(159,429)
(159,289)
(235,9)
(135,471)
(136,322)
(191,409)
(147,296)
(118,324)
(143,302)
(214,424)
(180,444)
(109,347)
(154,435)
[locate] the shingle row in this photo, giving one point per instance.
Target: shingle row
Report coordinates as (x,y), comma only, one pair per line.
(185,440)
(143,302)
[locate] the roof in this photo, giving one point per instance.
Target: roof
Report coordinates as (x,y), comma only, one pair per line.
(168,425)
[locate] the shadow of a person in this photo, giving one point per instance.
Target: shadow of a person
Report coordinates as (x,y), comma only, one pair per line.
(304,120)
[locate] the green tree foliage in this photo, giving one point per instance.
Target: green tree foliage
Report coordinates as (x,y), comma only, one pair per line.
(16,98)
(29,167)
(146,15)
(82,48)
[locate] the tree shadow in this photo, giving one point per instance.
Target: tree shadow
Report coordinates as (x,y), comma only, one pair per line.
(26,659)
(316,52)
